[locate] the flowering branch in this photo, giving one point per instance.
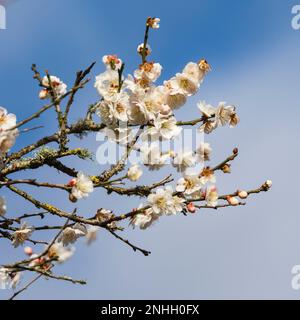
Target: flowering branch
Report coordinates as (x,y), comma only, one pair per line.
(138,116)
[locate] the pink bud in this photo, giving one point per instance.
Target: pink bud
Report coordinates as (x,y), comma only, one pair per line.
(72,182)
(28,251)
(243,194)
(43,94)
(191,207)
(233,201)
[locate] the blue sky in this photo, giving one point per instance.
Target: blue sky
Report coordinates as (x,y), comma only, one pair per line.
(245,252)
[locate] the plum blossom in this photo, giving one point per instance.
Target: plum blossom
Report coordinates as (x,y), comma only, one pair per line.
(21,235)
(211,196)
(184,160)
(207,175)
(203,151)
(164,128)
(91,235)
(134,172)
(59,87)
(7,120)
(112,61)
(81,186)
(71,234)
(107,83)
(140,49)
(153,22)
(4,278)
(189,184)
(144,220)
(149,71)
(60,252)
(152,156)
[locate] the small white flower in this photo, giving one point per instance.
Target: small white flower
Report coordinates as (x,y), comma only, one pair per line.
(71,234)
(165,128)
(161,201)
(184,160)
(7,120)
(60,252)
(140,49)
(148,70)
(212,196)
(121,136)
(226,115)
(91,235)
(193,71)
(107,83)
(189,184)
(7,140)
(183,84)
(57,85)
(144,220)
(153,22)
(2,206)
(152,156)
(112,61)
(204,151)
(207,175)
(178,204)
(134,172)
(19,236)
(83,186)
(206,109)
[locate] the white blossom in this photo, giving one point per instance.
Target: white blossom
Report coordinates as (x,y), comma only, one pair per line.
(91,235)
(71,234)
(140,49)
(153,22)
(107,83)
(165,128)
(59,251)
(144,220)
(7,120)
(22,234)
(7,140)
(134,172)
(161,201)
(149,71)
(189,184)
(226,115)
(206,109)
(207,175)
(121,135)
(58,86)
(152,156)
(203,151)
(184,160)
(112,61)
(211,196)
(83,186)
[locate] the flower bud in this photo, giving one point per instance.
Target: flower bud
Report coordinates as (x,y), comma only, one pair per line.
(233,201)
(72,182)
(72,198)
(243,194)
(226,168)
(28,251)
(269,183)
(191,207)
(43,94)
(235,151)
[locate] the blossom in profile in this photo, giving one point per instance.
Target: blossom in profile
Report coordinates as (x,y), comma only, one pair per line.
(153,22)
(211,196)
(7,120)
(60,252)
(71,234)
(21,235)
(82,186)
(134,172)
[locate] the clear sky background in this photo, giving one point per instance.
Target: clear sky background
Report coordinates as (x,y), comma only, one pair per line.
(244,252)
